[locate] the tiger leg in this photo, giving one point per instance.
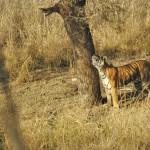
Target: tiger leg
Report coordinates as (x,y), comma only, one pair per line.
(149,91)
(114,97)
(138,85)
(109,98)
(149,94)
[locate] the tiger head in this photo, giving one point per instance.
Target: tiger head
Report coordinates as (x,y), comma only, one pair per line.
(98,61)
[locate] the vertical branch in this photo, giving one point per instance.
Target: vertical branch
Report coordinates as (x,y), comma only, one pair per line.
(9,112)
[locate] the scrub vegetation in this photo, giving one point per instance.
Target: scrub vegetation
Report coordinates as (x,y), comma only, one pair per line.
(39,58)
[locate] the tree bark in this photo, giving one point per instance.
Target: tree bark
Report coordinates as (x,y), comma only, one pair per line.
(73,14)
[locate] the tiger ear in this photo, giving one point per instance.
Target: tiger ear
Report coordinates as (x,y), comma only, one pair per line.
(105,57)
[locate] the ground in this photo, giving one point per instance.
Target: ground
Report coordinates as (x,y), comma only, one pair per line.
(52,117)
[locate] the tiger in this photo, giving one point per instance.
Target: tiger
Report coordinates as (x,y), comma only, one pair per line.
(137,72)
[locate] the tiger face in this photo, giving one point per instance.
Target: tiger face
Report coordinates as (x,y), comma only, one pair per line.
(98,61)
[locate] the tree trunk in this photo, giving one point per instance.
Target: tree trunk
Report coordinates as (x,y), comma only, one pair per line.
(73,14)
(9,114)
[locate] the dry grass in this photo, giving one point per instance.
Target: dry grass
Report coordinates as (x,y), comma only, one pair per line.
(52,116)
(119,28)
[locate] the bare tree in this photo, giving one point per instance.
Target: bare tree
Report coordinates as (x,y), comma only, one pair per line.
(73,14)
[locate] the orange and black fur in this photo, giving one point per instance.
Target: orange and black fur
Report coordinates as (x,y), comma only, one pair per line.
(137,72)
